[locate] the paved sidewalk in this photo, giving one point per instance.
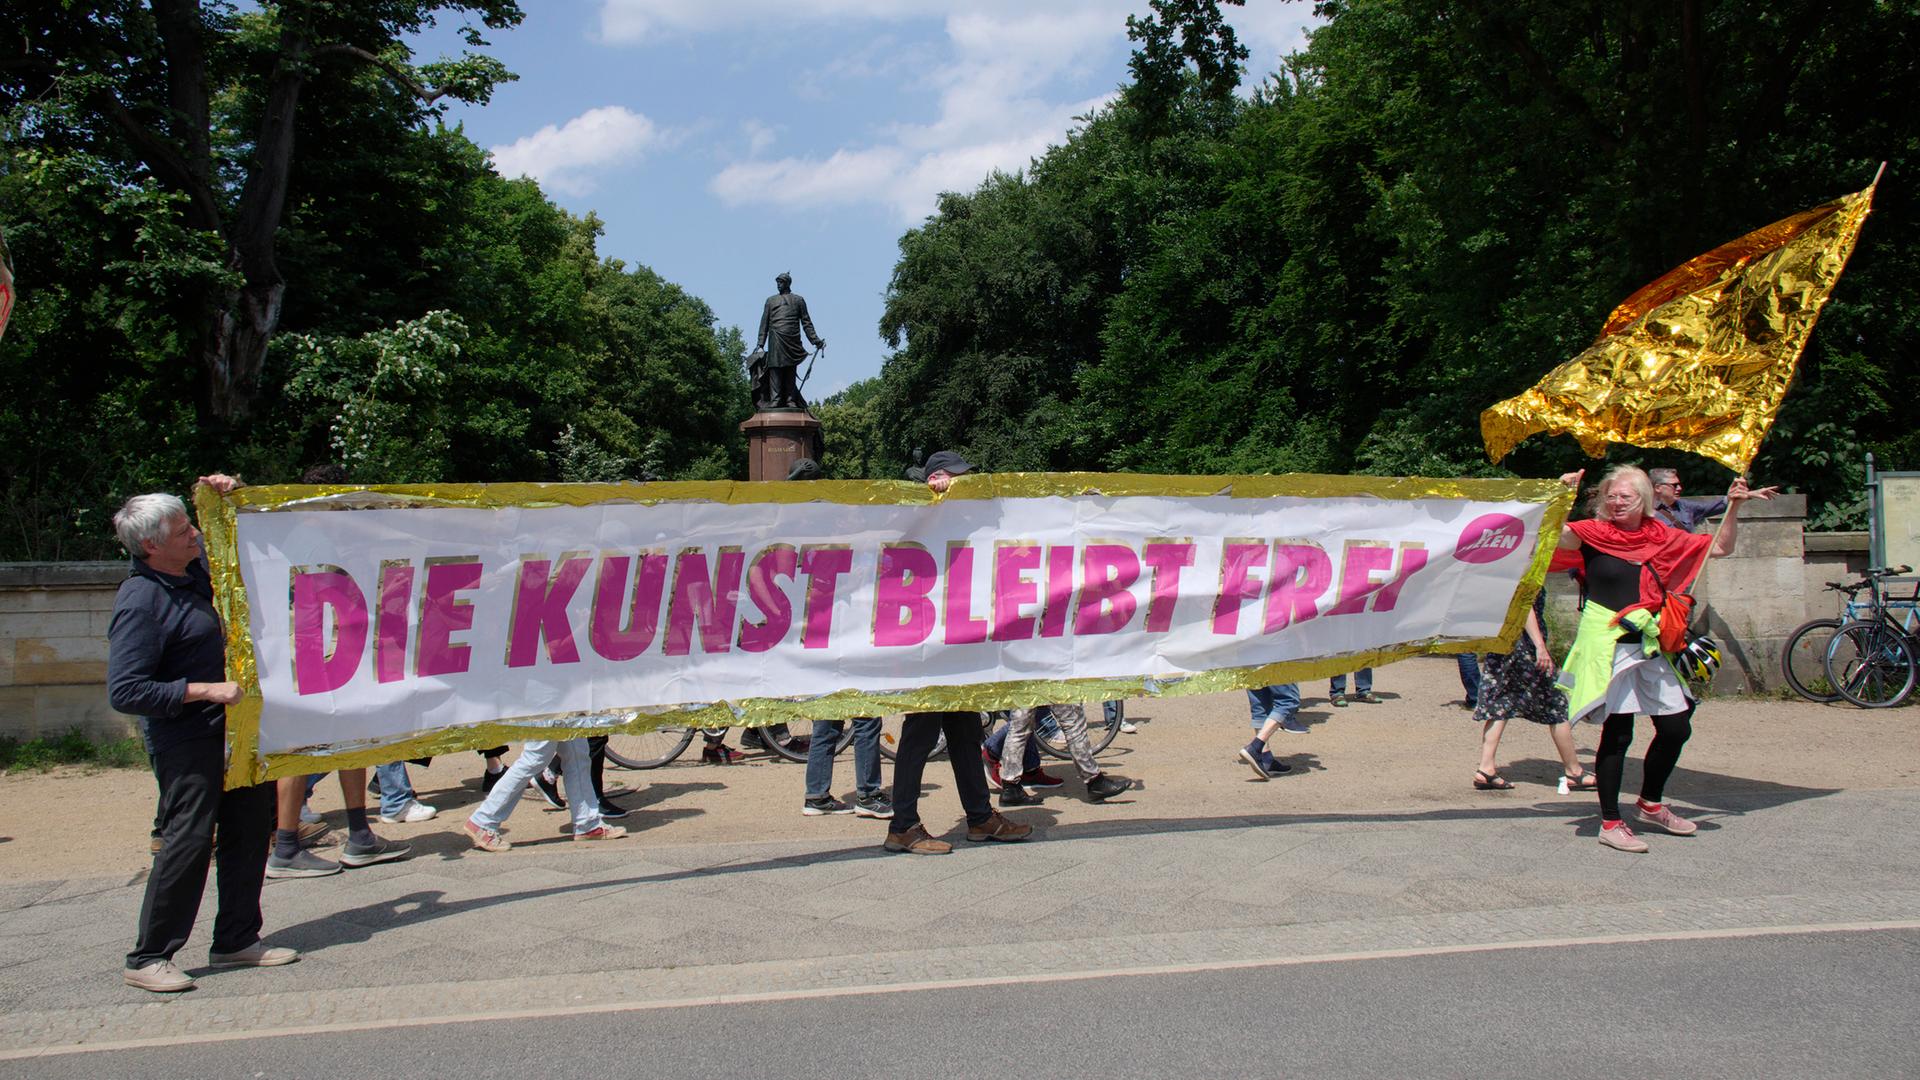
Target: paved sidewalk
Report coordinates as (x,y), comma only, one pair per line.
(457,934)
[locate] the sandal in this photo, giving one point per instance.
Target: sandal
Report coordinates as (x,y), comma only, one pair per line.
(1586,781)
(1485,781)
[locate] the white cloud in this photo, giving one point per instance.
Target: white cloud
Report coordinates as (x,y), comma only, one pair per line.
(629,21)
(759,136)
(849,176)
(567,158)
(1010,77)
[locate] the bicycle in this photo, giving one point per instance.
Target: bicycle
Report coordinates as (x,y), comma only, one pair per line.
(1803,661)
(652,749)
(1872,661)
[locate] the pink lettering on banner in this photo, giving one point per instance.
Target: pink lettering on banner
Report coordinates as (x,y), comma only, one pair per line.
(1413,556)
(324,662)
(1167,559)
(1107,572)
(1490,537)
(1238,560)
(902,610)
(1301,573)
(823,564)
(775,561)
(1011,591)
(443,614)
(962,627)
(390,623)
(1364,558)
(1053,617)
(540,602)
(622,628)
(702,601)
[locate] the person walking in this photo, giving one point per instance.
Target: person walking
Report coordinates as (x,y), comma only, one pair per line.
(920,731)
(484,826)
(1072,718)
(166,664)
(1275,708)
(1520,684)
(1616,669)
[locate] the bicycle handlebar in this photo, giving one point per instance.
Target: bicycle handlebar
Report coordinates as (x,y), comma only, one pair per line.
(1889,571)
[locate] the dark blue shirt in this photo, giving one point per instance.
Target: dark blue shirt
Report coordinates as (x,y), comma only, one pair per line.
(1687,515)
(164,635)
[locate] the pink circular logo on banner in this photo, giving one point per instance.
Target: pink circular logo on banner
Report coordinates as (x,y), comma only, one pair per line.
(1489,538)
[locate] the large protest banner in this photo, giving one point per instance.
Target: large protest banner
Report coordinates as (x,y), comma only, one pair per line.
(372,624)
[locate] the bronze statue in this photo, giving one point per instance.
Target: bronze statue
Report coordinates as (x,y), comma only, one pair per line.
(778,353)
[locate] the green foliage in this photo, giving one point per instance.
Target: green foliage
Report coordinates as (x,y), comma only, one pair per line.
(384,392)
(1417,216)
(439,322)
(72,748)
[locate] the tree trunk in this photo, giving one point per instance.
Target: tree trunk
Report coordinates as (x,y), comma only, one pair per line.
(243,320)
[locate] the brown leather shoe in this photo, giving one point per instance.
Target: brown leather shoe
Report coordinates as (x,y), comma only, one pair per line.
(998,827)
(916,841)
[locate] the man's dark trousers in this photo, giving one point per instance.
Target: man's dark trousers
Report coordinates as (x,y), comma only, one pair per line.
(918,733)
(191,805)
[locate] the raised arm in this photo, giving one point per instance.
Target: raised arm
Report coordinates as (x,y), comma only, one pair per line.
(1729,531)
(1569,541)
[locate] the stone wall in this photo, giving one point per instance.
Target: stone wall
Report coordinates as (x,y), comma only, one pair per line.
(53,649)
(53,619)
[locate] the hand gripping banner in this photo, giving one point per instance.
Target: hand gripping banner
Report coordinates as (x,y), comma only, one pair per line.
(368,625)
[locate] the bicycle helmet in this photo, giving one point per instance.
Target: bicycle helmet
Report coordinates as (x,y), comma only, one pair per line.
(1699,660)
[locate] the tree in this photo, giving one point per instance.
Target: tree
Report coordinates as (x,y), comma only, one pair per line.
(167,87)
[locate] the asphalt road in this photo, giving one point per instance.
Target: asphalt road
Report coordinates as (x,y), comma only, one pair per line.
(1787,1005)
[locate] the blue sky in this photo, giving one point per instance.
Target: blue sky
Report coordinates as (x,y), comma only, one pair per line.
(723,141)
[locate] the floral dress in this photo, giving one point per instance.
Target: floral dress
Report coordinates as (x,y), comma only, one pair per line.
(1511,687)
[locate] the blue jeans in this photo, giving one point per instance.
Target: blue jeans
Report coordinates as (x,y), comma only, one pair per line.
(396,791)
(1362,682)
(1279,702)
(1469,676)
(1030,757)
(534,756)
(866,756)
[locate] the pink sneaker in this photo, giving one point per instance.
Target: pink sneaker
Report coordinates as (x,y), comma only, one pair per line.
(485,839)
(1621,838)
(1663,818)
(604,832)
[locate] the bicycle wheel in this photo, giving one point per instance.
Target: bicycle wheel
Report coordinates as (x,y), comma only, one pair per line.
(1871,664)
(1101,728)
(793,741)
(649,749)
(890,738)
(1804,660)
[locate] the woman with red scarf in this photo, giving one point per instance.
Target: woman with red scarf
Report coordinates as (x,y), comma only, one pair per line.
(1616,669)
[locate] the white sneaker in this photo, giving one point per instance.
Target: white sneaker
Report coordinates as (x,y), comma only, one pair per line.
(416,811)
(1127,728)
(161,977)
(308,817)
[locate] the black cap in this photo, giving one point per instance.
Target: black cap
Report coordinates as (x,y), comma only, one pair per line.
(804,469)
(947,461)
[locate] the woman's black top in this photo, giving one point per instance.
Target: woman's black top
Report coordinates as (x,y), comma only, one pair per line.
(1612,582)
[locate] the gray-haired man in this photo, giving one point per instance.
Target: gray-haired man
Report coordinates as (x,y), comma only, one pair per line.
(166,663)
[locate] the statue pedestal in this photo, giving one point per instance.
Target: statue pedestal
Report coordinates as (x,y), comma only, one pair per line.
(776,438)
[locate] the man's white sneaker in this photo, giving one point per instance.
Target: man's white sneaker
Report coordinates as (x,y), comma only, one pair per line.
(161,977)
(258,954)
(416,811)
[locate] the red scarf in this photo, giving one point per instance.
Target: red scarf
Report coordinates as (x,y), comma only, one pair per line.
(1677,556)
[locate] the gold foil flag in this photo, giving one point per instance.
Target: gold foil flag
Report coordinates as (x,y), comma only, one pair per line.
(1701,358)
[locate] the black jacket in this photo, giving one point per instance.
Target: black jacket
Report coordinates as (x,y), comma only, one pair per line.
(164,635)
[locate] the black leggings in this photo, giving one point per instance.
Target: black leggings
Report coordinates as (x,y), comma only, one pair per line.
(1670,733)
